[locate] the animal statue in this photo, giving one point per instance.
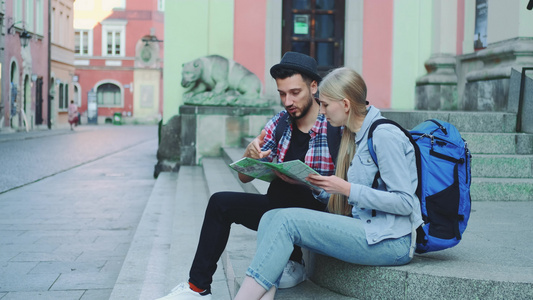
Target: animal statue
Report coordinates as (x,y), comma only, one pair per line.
(216,77)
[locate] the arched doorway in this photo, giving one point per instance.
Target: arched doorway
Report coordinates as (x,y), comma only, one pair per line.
(52,107)
(108,94)
(13,94)
(27,116)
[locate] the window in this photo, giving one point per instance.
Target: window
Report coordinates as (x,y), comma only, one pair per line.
(17,13)
(65,104)
(108,94)
(83,42)
(113,40)
(315,28)
(113,43)
(61,100)
(63,96)
(52,28)
(77,95)
(480,36)
(61,28)
(29,15)
(39,13)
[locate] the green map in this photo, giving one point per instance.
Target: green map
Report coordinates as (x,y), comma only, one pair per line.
(295,169)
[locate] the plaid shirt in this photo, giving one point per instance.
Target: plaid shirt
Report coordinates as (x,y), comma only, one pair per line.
(317,156)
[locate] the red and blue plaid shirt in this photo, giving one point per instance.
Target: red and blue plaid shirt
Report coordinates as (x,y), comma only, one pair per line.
(317,156)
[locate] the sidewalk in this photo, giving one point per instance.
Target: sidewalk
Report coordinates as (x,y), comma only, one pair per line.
(66,236)
(10,135)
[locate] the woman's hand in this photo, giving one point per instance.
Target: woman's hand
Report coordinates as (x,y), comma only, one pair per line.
(331,184)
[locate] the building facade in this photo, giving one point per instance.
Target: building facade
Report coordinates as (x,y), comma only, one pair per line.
(412,53)
(118,59)
(63,81)
(24,71)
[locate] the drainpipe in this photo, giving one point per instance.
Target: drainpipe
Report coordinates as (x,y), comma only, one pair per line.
(49,108)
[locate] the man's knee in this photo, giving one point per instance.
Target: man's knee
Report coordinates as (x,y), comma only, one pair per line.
(224,205)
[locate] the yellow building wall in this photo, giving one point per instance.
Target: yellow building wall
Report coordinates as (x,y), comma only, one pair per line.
(146,86)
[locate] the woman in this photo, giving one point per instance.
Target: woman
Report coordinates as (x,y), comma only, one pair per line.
(72,114)
(367,226)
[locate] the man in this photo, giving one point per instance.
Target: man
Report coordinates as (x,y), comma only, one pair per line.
(304,137)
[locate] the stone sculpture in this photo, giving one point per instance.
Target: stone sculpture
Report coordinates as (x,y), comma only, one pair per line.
(216,80)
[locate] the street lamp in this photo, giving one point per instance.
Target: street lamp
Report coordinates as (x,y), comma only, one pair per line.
(25,36)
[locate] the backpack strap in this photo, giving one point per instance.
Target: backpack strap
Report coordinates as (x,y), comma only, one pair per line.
(415,146)
(442,128)
(333,136)
(334,141)
(280,128)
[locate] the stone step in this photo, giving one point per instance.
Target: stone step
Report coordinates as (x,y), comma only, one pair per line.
(494,122)
(143,272)
(502,166)
(499,143)
(189,204)
(492,261)
(501,189)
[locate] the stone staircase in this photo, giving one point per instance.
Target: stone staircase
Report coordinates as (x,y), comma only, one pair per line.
(492,262)
(502,163)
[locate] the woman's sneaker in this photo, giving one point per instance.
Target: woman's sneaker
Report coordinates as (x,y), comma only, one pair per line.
(183,292)
(293,274)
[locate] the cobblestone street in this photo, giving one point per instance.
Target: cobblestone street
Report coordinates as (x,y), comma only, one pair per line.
(69,205)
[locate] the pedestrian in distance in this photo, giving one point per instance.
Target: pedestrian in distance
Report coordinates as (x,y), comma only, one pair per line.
(372,220)
(73,115)
(304,137)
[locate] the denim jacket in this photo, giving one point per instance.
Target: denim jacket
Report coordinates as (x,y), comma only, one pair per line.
(393,209)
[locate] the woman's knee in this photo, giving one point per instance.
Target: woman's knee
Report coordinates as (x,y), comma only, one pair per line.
(266,219)
(277,217)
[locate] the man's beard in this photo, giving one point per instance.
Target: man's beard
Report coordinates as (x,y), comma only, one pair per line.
(305,109)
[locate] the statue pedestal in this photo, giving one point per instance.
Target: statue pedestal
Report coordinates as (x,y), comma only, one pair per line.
(206,129)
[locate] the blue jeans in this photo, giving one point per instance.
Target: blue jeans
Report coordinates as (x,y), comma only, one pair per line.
(328,234)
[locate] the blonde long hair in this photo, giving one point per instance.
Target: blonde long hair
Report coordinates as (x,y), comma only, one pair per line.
(345,83)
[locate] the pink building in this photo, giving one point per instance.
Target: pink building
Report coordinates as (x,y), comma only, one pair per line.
(118,59)
(412,54)
(24,102)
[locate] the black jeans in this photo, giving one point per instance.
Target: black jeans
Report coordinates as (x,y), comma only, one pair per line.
(226,208)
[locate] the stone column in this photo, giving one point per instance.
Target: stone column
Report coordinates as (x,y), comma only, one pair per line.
(437,90)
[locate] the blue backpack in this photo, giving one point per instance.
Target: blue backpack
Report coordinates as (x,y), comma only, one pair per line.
(443,166)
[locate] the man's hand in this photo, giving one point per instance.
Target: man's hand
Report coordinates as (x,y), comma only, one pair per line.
(288,179)
(253,150)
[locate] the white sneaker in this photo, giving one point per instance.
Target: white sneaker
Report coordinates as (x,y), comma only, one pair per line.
(183,292)
(293,274)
